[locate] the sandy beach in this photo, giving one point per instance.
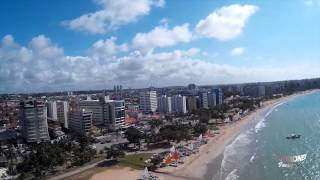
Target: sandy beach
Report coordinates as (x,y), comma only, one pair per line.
(195,166)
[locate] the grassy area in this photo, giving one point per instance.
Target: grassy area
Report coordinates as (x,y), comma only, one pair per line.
(135,161)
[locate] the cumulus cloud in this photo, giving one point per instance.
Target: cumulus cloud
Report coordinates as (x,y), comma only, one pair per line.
(226,23)
(112,15)
(237,51)
(42,66)
(107,48)
(162,36)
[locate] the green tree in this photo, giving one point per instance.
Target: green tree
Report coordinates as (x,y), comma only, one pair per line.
(115,154)
(133,135)
(199,129)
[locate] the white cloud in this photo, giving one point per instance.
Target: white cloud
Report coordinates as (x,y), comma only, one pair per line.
(43,47)
(237,51)
(107,48)
(162,36)
(226,23)
(112,15)
(43,66)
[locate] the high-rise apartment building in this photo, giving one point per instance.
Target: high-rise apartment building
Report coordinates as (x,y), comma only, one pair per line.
(164,104)
(33,119)
(191,103)
(80,121)
(212,99)
(179,104)
(58,111)
(219,95)
(52,111)
(204,100)
(148,101)
(116,114)
(62,112)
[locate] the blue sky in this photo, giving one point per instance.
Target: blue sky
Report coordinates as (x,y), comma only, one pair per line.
(69,45)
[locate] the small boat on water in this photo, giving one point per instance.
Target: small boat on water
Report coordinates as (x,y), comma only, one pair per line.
(294,136)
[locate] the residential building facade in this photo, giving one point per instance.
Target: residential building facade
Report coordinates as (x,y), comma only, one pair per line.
(164,104)
(191,103)
(80,121)
(179,104)
(148,101)
(33,117)
(62,113)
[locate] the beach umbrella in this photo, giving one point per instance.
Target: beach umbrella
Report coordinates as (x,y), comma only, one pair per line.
(191,146)
(172,149)
(146,172)
(175,156)
(168,160)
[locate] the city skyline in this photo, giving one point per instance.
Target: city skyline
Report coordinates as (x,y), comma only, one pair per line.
(56,46)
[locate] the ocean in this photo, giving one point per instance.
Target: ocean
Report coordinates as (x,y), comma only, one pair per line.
(253,155)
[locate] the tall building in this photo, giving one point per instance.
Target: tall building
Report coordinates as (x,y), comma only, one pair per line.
(261,91)
(179,104)
(212,99)
(254,90)
(80,121)
(148,101)
(52,111)
(58,111)
(164,104)
(62,113)
(98,109)
(204,100)
(108,113)
(191,103)
(116,114)
(33,117)
(219,95)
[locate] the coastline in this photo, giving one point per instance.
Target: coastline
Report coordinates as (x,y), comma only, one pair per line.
(195,166)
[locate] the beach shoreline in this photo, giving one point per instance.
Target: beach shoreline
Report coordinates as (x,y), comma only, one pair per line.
(195,166)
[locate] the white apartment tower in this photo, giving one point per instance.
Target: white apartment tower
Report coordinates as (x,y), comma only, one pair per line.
(179,104)
(52,111)
(33,118)
(148,101)
(58,111)
(164,104)
(62,112)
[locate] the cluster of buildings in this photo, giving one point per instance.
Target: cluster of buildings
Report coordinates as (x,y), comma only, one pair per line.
(47,116)
(38,118)
(51,117)
(179,103)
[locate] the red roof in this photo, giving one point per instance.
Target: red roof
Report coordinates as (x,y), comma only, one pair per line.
(131,120)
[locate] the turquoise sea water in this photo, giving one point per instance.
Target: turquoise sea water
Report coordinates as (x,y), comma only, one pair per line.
(252,155)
